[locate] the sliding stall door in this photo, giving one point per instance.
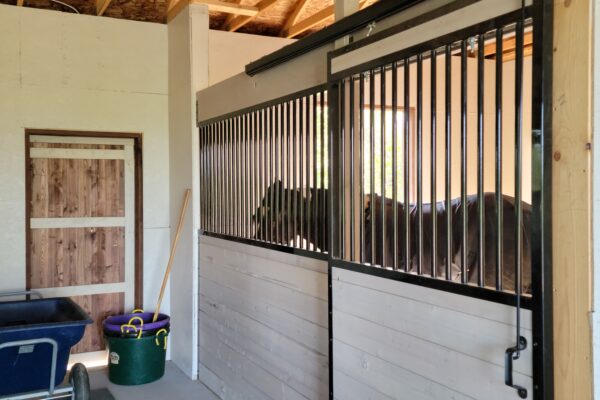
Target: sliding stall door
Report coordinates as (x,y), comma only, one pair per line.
(437,240)
(82,225)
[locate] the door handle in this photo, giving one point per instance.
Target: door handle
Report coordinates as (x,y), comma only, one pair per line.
(511,354)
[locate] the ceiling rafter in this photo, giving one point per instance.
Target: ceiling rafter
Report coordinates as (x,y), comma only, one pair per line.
(318,18)
(174,7)
(101,6)
(231,17)
(293,17)
(226,7)
(239,21)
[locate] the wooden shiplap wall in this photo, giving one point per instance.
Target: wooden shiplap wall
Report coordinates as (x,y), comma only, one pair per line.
(263,323)
(394,340)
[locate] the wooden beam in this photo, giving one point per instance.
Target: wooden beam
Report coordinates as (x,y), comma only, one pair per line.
(171,4)
(571,199)
(293,17)
(230,8)
(310,22)
(230,17)
(176,9)
(316,19)
(20,3)
(101,6)
(508,46)
(238,22)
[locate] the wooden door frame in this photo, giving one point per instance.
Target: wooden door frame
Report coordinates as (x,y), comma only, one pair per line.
(139,200)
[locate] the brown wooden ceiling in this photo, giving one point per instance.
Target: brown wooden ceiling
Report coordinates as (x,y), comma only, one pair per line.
(271,17)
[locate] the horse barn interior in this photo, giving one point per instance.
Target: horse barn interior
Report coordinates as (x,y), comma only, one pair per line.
(299,199)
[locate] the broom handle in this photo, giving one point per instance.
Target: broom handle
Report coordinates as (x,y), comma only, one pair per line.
(172,256)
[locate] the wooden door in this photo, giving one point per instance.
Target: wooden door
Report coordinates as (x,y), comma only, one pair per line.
(82,225)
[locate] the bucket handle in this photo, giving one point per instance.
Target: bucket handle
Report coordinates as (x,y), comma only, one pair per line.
(137,311)
(136,319)
(165,334)
(134,327)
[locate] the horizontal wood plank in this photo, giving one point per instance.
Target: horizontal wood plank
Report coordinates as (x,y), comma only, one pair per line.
(80,140)
(81,222)
(80,154)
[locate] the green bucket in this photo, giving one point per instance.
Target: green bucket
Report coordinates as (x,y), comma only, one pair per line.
(135,361)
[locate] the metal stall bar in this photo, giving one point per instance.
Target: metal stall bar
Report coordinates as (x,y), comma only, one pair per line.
(480,162)
(236,185)
(269,173)
(361,160)
(352,169)
(309,164)
(315,187)
(254,173)
(394,165)
(383,150)
(247,214)
(202,150)
(372,208)
(301,103)
(229,156)
(406,170)
(518,171)
(324,200)
(541,241)
(342,191)
(419,164)
(464,251)
(295,188)
(278,162)
(262,174)
(433,197)
(289,186)
(448,177)
(498,157)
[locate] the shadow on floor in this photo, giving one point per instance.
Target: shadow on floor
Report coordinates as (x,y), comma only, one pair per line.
(175,385)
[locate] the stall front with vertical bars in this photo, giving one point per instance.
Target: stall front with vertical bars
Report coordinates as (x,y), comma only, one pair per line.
(419,173)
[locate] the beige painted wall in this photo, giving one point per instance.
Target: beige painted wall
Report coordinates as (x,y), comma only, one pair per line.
(76,72)
(231,51)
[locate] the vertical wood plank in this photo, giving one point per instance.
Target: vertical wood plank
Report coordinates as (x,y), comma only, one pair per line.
(99,307)
(571,196)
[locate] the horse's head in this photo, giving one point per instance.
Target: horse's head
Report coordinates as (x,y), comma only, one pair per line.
(266,215)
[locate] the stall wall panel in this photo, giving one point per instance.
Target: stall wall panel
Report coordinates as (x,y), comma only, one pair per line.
(401,341)
(229,52)
(263,322)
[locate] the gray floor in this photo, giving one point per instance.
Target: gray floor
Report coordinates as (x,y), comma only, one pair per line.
(175,385)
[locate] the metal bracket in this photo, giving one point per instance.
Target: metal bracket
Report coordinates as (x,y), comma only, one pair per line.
(511,354)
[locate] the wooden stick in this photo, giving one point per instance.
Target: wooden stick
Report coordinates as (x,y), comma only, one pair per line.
(172,256)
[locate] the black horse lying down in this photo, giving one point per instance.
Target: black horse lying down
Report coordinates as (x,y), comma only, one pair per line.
(284,224)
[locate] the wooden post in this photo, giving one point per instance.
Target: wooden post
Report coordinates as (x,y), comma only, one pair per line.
(571,195)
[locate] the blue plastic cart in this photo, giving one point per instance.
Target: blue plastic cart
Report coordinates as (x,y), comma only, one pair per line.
(36,337)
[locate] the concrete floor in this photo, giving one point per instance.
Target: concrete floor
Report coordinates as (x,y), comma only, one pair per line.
(175,385)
